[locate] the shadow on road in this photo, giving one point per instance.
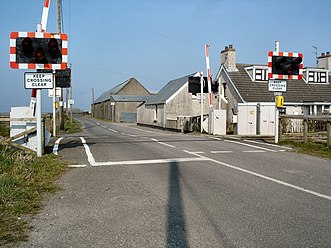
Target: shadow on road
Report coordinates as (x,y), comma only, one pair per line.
(176,219)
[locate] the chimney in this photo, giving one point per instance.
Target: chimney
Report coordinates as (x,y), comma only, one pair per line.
(228,58)
(324,61)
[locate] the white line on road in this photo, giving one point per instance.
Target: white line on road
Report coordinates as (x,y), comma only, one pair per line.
(267,144)
(264,177)
(215,152)
(254,151)
(77,165)
(162,143)
(112,130)
(127,134)
(56,146)
(244,144)
(88,152)
(151,161)
(215,138)
(165,144)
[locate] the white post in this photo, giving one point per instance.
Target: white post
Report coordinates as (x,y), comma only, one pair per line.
(276,109)
(38,115)
(201,101)
(54,109)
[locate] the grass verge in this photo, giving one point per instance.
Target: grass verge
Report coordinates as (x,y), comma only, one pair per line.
(73,126)
(312,148)
(4,129)
(24,180)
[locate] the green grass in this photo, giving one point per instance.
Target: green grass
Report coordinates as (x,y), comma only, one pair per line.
(4,129)
(312,148)
(24,180)
(73,126)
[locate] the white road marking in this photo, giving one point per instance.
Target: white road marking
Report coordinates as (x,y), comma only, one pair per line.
(215,152)
(103,126)
(244,144)
(254,151)
(267,144)
(264,177)
(199,152)
(112,130)
(90,157)
(98,123)
(215,138)
(162,143)
(165,144)
(77,165)
(56,146)
(151,161)
(127,134)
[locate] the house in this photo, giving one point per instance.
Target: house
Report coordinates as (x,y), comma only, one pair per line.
(119,104)
(172,107)
(250,105)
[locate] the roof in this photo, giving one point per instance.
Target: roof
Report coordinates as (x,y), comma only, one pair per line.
(297,90)
(129,98)
(168,90)
(105,96)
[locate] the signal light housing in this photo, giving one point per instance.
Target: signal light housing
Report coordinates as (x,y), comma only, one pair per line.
(194,86)
(285,65)
(44,51)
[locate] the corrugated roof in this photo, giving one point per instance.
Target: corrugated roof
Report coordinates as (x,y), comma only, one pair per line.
(168,90)
(297,90)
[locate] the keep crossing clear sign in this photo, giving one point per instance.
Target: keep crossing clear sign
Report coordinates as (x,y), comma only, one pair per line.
(277,85)
(38,80)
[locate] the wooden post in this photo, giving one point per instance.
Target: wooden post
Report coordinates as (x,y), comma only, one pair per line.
(305,130)
(328,125)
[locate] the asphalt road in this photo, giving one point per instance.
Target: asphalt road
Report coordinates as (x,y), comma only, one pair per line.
(134,186)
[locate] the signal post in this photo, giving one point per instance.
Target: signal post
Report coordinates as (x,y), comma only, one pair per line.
(282,66)
(40,51)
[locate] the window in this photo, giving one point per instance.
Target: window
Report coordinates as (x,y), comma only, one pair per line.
(319,76)
(258,73)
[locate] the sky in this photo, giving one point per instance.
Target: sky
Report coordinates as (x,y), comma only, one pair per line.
(156,41)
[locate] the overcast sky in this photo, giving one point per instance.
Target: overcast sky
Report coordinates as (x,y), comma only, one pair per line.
(156,41)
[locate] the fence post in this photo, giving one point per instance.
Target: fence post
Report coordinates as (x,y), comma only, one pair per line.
(328,126)
(305,130)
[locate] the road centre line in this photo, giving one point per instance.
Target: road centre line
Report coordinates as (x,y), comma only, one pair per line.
(90,157)
(215,138)
(244,144)
(263,177)
(112,130)
(56,146)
